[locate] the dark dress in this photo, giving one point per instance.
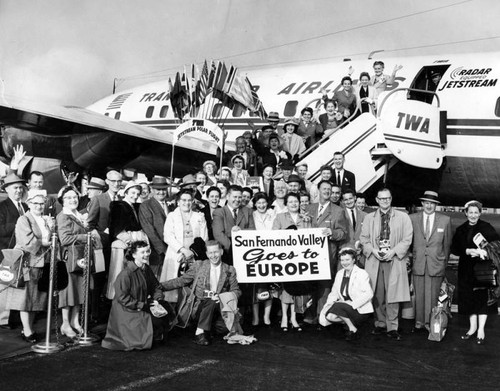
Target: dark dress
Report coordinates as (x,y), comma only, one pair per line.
(470,300)
(130,324)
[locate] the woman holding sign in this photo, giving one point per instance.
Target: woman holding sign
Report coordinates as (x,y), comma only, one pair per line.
(472,299)
(291,219)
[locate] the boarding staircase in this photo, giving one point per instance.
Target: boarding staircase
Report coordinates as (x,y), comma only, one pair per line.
(404,130)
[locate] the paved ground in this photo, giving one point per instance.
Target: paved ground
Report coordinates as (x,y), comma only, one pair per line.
(278,361)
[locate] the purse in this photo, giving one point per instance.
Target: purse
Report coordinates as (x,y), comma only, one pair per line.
(11,268)
(74,256)
(186,304)
(485,274)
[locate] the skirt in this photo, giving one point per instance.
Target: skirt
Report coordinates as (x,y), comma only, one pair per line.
(73,294)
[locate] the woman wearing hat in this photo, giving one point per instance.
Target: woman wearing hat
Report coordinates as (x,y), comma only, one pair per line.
(210,168)
(292,142)
(124,228)
(310,130)
(274,155)
(33,235)
(72,231)
(240,176)
(472,300)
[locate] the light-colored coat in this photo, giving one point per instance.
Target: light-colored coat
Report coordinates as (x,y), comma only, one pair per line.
(433,252)
(173,234)
(29,239)
(359,289)
(400,240)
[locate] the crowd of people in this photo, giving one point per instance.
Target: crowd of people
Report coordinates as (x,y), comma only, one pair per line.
(168,254)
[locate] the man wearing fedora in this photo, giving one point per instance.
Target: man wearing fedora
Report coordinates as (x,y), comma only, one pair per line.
(248,154)
(152,216)
(95,187)
(10,210)
(431,250)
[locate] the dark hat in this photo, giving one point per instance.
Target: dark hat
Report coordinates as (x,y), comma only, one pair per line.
(308,109)
(188,180)
(430,196)
(274,135)
(286,164)
(96,183)
(159,182)
(273,116)
(294,178)
(11,179)
(267,127)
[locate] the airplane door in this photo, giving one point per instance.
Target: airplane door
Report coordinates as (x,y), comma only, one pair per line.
(411,129)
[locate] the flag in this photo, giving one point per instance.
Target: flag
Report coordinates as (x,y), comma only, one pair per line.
(202,85)
(192,86)
(175,96)
(218,88)
(214,70)
(185,103)
(240,90)
(257,103)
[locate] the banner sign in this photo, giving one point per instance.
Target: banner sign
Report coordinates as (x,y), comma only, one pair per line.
(199,128)
(281,255)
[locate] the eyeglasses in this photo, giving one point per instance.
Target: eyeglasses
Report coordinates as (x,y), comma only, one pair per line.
(38,203)
(384,199)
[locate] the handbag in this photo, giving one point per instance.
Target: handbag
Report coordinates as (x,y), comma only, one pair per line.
(186,304)
(61,280)
(74,256)
(438,324)
(485,274)
(11,268)
(98,265)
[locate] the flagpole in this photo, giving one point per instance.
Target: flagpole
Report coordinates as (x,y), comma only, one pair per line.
(172,168)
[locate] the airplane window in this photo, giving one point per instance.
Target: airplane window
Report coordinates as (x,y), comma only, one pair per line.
(117,115)
(291,108)
(239,110)
(216,111)
(163,111)
(149,111)
(253,114)
(497,108)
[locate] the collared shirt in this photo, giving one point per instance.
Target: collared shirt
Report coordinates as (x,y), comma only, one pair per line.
(385,230)
(322,208)
(214,277)
(341,173)
(431,221)
(349,213)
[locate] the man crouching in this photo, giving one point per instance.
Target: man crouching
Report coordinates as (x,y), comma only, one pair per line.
(210,278)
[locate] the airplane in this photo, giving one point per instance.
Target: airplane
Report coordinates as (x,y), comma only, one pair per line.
(445,139)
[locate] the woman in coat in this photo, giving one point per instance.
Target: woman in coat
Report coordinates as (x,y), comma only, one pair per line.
(124,228)
(472,300)
(350,299)
(33,232)
(309,129)
(72,232)
(291,219)
(292,142)
(132,324)
(182,226)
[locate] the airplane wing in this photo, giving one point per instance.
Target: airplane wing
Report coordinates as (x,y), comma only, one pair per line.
(53,120)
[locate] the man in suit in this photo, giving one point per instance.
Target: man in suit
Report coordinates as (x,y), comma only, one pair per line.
(326,215)
(431,250)
(10,210)
(248,154)
(98,218)
(341,177)
(354,217)
(231,218)
(273,155)
(152,215)
(212,277)
(386,237)
(36,182)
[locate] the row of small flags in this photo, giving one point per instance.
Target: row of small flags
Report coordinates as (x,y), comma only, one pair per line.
(193,88)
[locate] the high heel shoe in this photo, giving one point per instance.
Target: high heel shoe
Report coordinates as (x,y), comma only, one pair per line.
(298,329)
(467,336)
(29,338)
(480,341)
(79,329)
(68,331)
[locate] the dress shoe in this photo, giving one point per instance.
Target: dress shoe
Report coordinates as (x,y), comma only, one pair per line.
(480,341)
(200,339)
(297,329)
(418,330)
(467,336)
(68,331)
(29,338)
(6,327)
(393,334)
(351,335)
(78,329)
(379,330)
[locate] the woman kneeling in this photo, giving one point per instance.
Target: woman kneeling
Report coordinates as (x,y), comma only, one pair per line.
(136,319)
(350,298)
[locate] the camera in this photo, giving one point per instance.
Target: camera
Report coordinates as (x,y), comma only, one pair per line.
(384,247)
(208,294)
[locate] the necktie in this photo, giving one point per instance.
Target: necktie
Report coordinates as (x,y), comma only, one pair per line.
(320,212)
(235,214)
(164,206)
(427,227)
(353,219)
(20,208)
(338,179)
